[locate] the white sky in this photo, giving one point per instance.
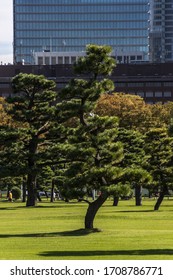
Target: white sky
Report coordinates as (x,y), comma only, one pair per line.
(6,31)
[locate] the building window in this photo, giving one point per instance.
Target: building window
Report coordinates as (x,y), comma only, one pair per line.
(149,94)
(53,60)
(137,84)
(153,84)
(140,94)
(168,84)
(167,94)
(47,60)
(73,59)
(60,60)
(66,60)
(120,85)
(40,60)
(158,94)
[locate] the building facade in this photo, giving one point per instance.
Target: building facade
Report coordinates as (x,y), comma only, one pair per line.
(161,31)
(69,25)
(52,58)
(153,82)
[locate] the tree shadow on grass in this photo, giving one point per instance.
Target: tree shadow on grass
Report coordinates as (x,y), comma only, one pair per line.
(135,211)
(107,253)
(78,232)
(7,208)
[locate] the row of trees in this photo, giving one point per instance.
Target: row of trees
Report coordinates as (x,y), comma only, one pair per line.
(85,138)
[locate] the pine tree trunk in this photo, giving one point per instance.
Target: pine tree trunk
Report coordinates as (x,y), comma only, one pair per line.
(138,195)
(116,200)
(31,178)
(92,210)
(24,190)
(161,195)
(32,193)
(159,200)
(52,191)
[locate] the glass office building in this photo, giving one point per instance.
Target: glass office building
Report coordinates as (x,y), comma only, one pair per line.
(161,31)
(69,25)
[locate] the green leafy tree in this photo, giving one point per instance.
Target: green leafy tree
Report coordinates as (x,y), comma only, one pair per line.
(33,105)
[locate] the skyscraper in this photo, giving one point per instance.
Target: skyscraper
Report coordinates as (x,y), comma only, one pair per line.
(161,31)
(69,25)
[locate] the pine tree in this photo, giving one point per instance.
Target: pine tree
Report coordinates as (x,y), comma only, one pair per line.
(33,106)
(92,156)
(159,147)
(135,160)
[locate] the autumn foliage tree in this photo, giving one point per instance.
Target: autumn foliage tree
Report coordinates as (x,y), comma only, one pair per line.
(133,112)
(5,119)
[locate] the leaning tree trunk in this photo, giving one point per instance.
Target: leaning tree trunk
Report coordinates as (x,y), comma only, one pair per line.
(161,196)
(138,195)
(159,200)
(115,200)
(92,210)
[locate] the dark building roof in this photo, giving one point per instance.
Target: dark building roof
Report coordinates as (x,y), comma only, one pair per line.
(153,82)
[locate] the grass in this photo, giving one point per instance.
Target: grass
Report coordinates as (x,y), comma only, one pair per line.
(54,231)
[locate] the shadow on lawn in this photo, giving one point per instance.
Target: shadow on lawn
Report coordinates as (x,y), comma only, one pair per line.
(107,253)
(78,232)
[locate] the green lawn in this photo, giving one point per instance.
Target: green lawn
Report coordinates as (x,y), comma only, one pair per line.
(54,231)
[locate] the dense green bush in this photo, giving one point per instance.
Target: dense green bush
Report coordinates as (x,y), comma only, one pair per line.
(16,192)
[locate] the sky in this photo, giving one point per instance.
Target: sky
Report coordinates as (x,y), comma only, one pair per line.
(6,31)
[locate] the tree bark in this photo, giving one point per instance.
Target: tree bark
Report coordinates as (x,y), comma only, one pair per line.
(161,195)
(115,201)
(92,210)
(138,195)
(32,192)
(159,200)
(52,191)
(32,174)
(24,190)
